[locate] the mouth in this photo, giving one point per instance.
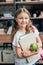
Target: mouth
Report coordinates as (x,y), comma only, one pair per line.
(23,23)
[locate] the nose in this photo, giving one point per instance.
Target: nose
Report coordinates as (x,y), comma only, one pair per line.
(23,20)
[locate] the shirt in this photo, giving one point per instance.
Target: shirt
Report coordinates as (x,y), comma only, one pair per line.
(15,43)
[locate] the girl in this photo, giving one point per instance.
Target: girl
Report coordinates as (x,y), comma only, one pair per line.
(22,19)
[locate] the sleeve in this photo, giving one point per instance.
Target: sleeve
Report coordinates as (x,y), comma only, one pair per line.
(36,32)
(15,41)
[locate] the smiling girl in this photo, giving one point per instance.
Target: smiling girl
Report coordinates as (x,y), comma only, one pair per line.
(22,19)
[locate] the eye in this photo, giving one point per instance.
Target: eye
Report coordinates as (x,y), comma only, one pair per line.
(26,18)
(21,18)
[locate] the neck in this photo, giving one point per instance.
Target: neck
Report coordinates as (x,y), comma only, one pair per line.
(22,30)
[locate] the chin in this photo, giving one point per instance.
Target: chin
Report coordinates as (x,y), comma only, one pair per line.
(23,25)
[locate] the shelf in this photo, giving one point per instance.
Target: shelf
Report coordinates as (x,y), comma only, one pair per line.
(30,2)
(35,18)
(6,3)
(41,33)
(6,18)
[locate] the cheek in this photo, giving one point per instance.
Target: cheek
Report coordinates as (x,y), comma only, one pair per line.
(18,21)
(27,22)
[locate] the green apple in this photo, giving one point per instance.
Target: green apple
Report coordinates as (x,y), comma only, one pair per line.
(33,47)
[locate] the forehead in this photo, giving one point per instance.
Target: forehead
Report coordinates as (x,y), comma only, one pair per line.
(23,14)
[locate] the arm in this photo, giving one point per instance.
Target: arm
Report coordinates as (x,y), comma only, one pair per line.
(28,53)
(22,54)
(18,52)
(39,43)
(16,46)
(38,40)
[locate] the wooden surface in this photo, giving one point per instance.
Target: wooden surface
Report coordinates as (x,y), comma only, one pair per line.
(5,38)
(8,38)
(1,3)
(30,2)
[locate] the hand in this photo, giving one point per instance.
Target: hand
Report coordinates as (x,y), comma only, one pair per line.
(26,53)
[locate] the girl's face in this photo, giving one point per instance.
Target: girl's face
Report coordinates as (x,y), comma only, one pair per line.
(22,19)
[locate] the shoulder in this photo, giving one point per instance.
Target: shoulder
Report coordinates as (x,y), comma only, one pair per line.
(16,37)
(36,32)
(35,29)
(17,34)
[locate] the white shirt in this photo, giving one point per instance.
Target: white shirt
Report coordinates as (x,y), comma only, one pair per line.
(15,43)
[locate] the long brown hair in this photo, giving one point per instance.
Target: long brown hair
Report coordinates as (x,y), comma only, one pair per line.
(29,26)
